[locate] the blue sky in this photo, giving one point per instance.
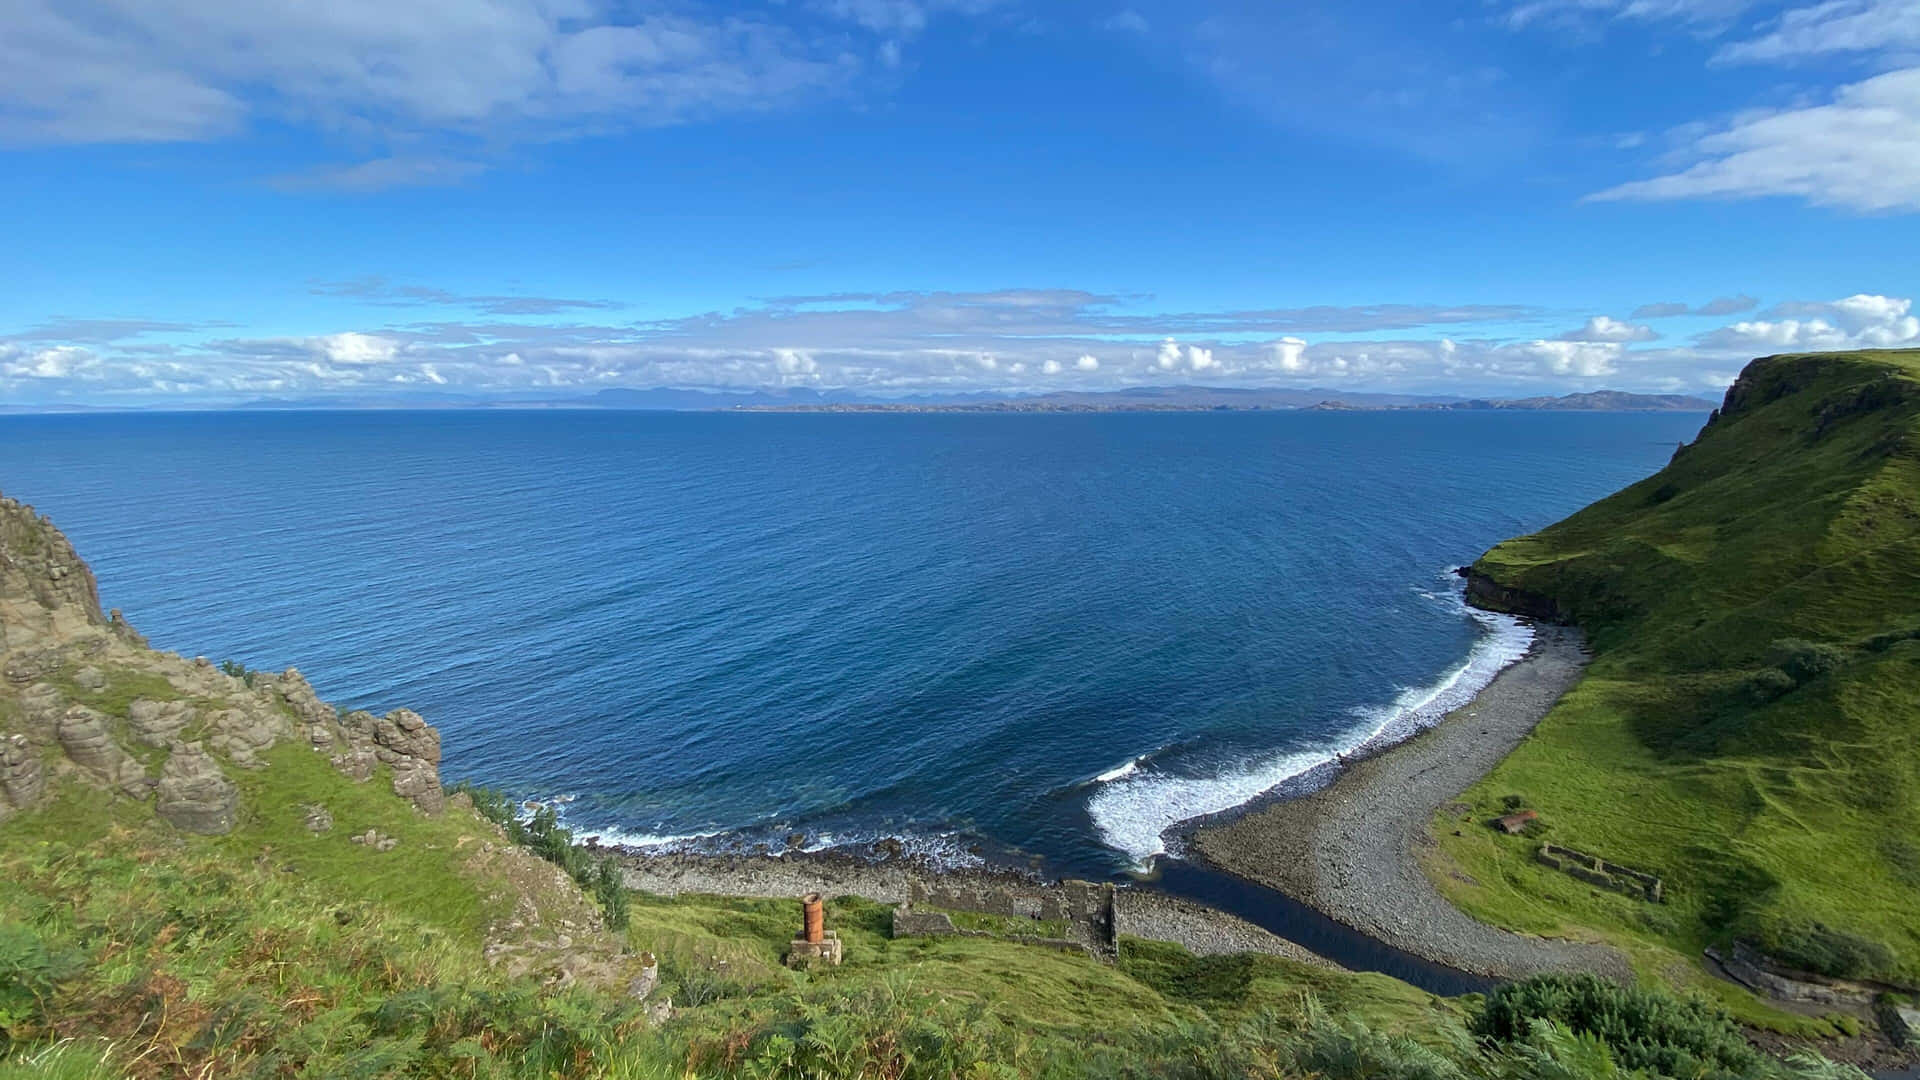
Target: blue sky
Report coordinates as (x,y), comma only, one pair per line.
(221,200)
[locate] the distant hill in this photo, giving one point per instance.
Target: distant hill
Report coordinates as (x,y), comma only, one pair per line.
(806,399)
(1595,401)
(1750,726)
(1227,399)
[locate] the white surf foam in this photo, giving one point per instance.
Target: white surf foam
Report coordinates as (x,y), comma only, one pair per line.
(1132,809)
(1132,766)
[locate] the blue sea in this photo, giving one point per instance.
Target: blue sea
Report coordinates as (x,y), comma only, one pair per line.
(993,636)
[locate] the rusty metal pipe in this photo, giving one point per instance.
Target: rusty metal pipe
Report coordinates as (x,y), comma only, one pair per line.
(814,918)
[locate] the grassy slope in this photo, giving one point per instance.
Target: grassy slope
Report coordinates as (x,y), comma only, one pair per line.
(1771,802)
(272,951)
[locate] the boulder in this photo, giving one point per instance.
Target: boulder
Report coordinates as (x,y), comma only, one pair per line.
(244,734)
(356,762)
(90,678)
(84,736)
(21,779)
(156,723)
(404,742)
(194,795)
(642,986)
(319,819)
(315,715)
(402,733)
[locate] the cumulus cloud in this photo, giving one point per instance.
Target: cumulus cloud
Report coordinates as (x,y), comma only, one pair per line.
(1855,152)
(1602,328)
(355,348)
(1862,321)
(1010,340)
(57,362)
(1583,359)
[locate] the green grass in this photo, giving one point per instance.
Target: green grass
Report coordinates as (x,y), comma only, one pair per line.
(1750,726)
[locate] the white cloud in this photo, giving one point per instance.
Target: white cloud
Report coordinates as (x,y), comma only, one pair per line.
(1582,359)
(413,73)
(1534,12)
(1857,152)
(910,343)
(57,362)
(1127,22)
(1837,26)
(906,17)
(356,348)
(1856,322)
(1602,328)
(1192,359)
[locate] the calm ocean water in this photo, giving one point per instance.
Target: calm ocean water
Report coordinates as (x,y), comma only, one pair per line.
(1048,635)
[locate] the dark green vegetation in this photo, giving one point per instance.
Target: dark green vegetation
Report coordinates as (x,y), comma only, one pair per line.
(543,835)
(1750,727)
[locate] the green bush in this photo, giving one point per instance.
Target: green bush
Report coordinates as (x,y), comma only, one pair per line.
(1644,1029)
(31,969)
(1805,661)
(1767,684)
(1825,950)
(543,835)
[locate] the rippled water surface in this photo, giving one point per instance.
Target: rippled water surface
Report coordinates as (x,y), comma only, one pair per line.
(1043,634)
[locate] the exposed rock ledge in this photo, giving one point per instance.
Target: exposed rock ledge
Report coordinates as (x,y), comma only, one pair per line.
(1486,593)
(65,709)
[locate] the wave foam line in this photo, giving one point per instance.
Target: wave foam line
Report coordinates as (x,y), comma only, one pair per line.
(1133,810)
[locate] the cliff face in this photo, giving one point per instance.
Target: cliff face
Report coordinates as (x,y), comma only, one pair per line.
(82,696)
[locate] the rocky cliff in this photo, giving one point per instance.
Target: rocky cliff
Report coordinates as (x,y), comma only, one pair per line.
(82,695)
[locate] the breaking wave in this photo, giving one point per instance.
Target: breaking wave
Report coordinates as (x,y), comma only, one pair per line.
(1133,808)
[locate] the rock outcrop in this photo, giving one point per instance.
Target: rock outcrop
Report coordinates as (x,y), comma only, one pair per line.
(84,736)
(64,666)
(193,794)
(52,592)
(155,723)
(21,780)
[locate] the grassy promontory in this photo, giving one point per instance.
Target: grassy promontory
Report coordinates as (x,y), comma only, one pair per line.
(1749,728)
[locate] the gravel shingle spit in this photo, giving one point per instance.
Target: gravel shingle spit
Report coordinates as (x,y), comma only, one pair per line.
(1351,849)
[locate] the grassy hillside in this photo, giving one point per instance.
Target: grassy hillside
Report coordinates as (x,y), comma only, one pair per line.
(1750,726)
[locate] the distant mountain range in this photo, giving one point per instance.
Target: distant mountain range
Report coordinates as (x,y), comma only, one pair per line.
(1227,399)
(1135,399)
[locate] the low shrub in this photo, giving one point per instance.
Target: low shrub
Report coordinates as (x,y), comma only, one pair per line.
(31,969)
(1825,950)
(543,835)
(1805,661)
(1644,1029)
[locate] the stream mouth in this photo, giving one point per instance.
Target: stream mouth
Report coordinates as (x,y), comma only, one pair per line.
(1280,914)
